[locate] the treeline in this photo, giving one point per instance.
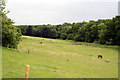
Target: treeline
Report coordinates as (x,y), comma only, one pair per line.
(103,31)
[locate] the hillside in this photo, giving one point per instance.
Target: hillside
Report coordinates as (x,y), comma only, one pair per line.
(55,58)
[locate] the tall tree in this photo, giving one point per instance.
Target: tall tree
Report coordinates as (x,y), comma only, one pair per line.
(11,35)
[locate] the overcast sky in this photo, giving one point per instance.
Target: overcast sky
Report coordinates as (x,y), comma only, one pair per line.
(34,12)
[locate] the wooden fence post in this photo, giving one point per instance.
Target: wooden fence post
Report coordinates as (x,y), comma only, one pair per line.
(26,73)
(28,51)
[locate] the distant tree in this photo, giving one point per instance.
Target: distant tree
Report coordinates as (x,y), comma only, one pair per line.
(76,27)
(117,29)
(37,33)
(77,37)
(53,33)
(70,37)
(103,34)
(45,32)
(69,30)
(22,28)
(29,31)
(113,31)
(63,36)
(66,24)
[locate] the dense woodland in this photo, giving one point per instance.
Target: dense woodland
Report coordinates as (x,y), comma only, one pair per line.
(103,31)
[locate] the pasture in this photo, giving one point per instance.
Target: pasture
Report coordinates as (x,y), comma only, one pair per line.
(54,58)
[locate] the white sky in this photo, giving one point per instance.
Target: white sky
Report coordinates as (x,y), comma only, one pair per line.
(60,11)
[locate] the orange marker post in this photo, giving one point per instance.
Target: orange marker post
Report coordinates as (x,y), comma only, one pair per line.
(26,73)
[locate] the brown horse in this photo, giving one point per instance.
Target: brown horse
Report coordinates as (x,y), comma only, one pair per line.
(100,56)
(40,42)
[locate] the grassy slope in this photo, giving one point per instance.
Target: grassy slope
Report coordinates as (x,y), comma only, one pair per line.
(59,59)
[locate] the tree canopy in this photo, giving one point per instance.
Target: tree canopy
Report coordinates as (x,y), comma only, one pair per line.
(103,31)
(10,33)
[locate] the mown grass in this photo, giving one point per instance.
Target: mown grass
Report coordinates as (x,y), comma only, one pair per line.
(59,59)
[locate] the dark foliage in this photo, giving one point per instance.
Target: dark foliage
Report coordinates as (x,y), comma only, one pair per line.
(103,31)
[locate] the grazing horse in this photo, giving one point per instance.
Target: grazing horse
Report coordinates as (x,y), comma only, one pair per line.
(40,42)
(99,56)
(107,60)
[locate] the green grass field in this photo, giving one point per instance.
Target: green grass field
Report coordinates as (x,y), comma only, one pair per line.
(59,59)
